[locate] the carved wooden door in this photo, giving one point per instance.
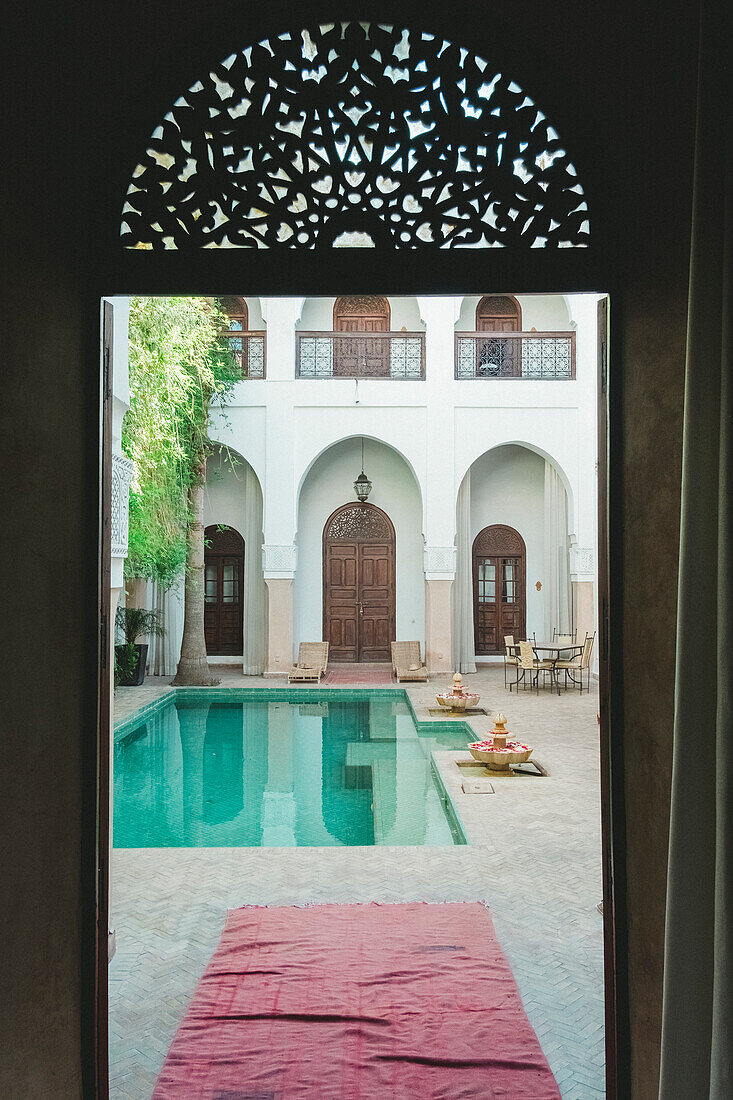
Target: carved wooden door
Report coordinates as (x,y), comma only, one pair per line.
(223,592)
(499,588)
(367,355)
(499,357)
(359,584)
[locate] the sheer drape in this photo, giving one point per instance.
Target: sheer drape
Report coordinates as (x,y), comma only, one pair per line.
(163,653)
(463,641)
(255,591)
(556,555)
(697,1038)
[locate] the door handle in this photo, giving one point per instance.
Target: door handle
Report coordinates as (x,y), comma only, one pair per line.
(361,608)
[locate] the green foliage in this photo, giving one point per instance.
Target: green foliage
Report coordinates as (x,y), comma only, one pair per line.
(179,366)
(134,622)
(126,659)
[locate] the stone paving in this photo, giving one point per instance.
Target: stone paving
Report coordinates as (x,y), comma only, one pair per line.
(533,857)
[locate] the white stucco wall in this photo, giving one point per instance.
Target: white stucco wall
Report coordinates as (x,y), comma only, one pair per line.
(328,485)
(543,312)
(508,486)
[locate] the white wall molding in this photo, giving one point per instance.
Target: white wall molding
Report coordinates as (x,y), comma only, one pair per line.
(582,561)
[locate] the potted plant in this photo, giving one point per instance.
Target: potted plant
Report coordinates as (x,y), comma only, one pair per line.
(130,657)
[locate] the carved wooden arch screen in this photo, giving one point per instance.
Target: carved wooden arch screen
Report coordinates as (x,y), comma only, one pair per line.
(499,588)
(361,313)
(359,584)
(498,313)
(354,133)
(223,591)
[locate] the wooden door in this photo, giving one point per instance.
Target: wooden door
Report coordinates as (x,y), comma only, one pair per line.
(500,357)
(499,588)
(223,591)
(365,355)
(359,583)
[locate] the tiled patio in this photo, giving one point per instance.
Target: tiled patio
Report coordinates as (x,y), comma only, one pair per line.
(534,858)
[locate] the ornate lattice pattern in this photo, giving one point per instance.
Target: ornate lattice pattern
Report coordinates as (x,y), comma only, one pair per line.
(547,357)
(361,522)
(122,472)
(361,355)
(353,133)
(498,540)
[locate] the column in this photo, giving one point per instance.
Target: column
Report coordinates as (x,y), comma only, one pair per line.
(440,571)
(278,564)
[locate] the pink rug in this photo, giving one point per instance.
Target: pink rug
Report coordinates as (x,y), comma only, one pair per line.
(358,674)
(357,1002)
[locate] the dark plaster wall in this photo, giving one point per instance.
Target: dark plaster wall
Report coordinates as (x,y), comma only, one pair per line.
(83,86)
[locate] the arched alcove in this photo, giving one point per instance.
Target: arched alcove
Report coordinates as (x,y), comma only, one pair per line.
(327,491)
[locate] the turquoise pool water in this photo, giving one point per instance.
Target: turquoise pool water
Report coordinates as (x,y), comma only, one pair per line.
(259,768)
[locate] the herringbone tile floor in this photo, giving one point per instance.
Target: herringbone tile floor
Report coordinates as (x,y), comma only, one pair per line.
(534,858)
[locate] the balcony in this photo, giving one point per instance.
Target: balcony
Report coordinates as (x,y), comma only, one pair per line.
(394,355)
(248,349)
(543,356)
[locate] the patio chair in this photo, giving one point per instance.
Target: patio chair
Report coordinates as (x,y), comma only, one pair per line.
(407,662)
(560,636)
(312,662)
(510,658)
(579,664)
(528,662)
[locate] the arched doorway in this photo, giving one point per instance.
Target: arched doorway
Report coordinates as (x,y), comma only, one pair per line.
(498,313)
(499,588)
(223,591)
(499,357)
(361,313)
(359,583)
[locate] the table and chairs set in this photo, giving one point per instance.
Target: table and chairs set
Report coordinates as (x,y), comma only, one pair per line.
(566,662)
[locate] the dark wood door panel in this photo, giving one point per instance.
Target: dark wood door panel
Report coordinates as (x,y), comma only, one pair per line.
(359,617)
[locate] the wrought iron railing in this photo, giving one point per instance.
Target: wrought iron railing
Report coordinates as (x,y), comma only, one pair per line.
(249,349)
(396,355)
(538,355)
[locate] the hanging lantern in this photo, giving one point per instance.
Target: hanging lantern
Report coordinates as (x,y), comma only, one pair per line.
(362,485)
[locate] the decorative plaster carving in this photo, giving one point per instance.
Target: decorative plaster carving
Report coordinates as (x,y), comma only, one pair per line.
(440,559)
(350,132)
(582,559)
(279,559)
(123,470)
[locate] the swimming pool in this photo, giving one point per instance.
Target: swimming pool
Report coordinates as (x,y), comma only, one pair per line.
(281,768)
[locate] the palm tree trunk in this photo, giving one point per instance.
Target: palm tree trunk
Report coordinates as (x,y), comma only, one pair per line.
(193,668)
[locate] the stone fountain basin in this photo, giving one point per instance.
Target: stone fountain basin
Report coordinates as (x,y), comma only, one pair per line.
(500,758)
(458,702)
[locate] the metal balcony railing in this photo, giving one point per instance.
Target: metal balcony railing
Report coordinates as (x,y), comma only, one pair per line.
(518,355)
(249,349)
(396,355)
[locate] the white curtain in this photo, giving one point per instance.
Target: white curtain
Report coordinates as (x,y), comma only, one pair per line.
(255,590)
(163,653)
(556,555)
(463,641)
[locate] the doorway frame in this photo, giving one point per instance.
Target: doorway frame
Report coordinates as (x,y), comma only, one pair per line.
(328,273)
(393,559)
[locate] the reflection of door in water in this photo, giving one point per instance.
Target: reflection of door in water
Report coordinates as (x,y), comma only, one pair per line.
(223,591)
(359,583)
(499,600)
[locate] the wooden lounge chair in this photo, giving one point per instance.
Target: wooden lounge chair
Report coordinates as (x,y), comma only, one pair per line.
(407,663)
(312,662)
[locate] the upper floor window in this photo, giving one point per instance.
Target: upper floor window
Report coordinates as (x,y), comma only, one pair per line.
(509,352)
(247,347)
(498,313)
